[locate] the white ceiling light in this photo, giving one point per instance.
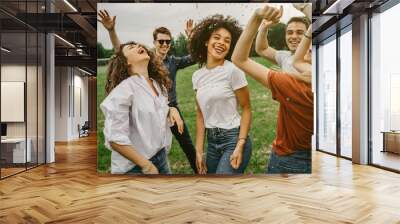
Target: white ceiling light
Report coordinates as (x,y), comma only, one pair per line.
(86,72)
(5,50)
(65,41)
(70,5)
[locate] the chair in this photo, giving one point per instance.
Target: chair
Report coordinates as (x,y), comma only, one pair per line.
(84,130)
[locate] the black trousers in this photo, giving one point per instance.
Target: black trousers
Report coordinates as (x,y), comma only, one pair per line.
(185,142)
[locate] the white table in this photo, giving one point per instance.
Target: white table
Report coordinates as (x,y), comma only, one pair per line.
(18,145)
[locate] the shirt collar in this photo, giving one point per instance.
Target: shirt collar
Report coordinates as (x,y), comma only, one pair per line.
(141,80)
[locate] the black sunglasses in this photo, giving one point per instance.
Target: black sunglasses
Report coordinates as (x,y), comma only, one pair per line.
(167,42)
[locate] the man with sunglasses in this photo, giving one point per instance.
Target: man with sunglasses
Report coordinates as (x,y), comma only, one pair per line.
(162,43)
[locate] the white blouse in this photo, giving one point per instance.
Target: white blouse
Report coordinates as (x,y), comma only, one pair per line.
(135,116)
(216,94)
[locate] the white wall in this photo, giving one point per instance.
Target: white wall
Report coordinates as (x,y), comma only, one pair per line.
(69,82)
(61,103)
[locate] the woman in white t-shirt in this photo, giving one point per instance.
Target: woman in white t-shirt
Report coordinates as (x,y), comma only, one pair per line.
(136,128)
(220,88)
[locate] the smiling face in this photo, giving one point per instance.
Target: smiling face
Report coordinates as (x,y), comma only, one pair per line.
(135,54)
(294,33)
(162,43)
(219,44)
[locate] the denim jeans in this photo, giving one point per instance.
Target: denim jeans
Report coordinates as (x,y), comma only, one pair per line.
(185,142)
(160,160)
(221,144)
(298,162)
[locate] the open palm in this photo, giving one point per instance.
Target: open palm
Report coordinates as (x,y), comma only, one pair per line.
(107,21)
(189,27)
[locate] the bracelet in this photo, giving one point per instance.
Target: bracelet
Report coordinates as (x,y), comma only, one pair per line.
(307,36)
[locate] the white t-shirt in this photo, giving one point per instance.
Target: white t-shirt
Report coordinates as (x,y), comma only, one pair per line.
(215,94)
(135,116)
(285,61)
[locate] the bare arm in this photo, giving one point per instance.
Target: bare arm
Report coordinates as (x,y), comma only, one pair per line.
(109,23)
(130,153)
(114,39)
(200,135)
(241,53)
(262,47)
(243,97)
(298,57)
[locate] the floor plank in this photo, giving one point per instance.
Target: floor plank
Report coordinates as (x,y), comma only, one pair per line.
(70,191)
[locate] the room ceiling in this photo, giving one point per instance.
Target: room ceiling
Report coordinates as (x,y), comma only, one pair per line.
(327,13)
(74,21)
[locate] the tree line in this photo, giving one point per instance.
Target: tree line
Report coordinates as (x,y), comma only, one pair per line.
(276,39)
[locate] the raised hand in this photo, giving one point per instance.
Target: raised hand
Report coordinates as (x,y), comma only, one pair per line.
(266,24)
(189,27)
(105,19)
(302,7)
(270,13)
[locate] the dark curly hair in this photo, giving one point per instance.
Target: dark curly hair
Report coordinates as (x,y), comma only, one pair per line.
(202,33)
(118,70)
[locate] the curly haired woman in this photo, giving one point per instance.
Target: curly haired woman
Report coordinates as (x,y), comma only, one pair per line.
(220,87)
(136,128)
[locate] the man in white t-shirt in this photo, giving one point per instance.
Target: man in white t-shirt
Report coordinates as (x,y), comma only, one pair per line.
(295,30)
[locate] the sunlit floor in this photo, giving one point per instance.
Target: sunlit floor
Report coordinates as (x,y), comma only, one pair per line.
(10,170)
(71,191)
(386,159)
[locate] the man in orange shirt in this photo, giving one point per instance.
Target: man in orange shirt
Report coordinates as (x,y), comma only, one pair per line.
(291,149)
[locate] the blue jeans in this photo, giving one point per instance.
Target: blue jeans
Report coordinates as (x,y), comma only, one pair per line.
(160,160)
(221,144)
(298,162)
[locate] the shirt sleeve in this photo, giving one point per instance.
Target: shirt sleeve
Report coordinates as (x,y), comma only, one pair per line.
(285,88)
(116,109)
(238,79)
(183,62)
(280,57)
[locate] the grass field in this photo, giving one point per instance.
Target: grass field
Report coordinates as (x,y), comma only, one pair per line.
(262,127)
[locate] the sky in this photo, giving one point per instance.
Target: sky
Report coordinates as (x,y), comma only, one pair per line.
(136,21)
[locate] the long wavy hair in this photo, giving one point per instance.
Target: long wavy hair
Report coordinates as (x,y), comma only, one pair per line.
(202,33)
(118,70)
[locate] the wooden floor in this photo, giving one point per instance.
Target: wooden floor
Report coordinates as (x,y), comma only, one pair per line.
(70,191)
(387,159)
